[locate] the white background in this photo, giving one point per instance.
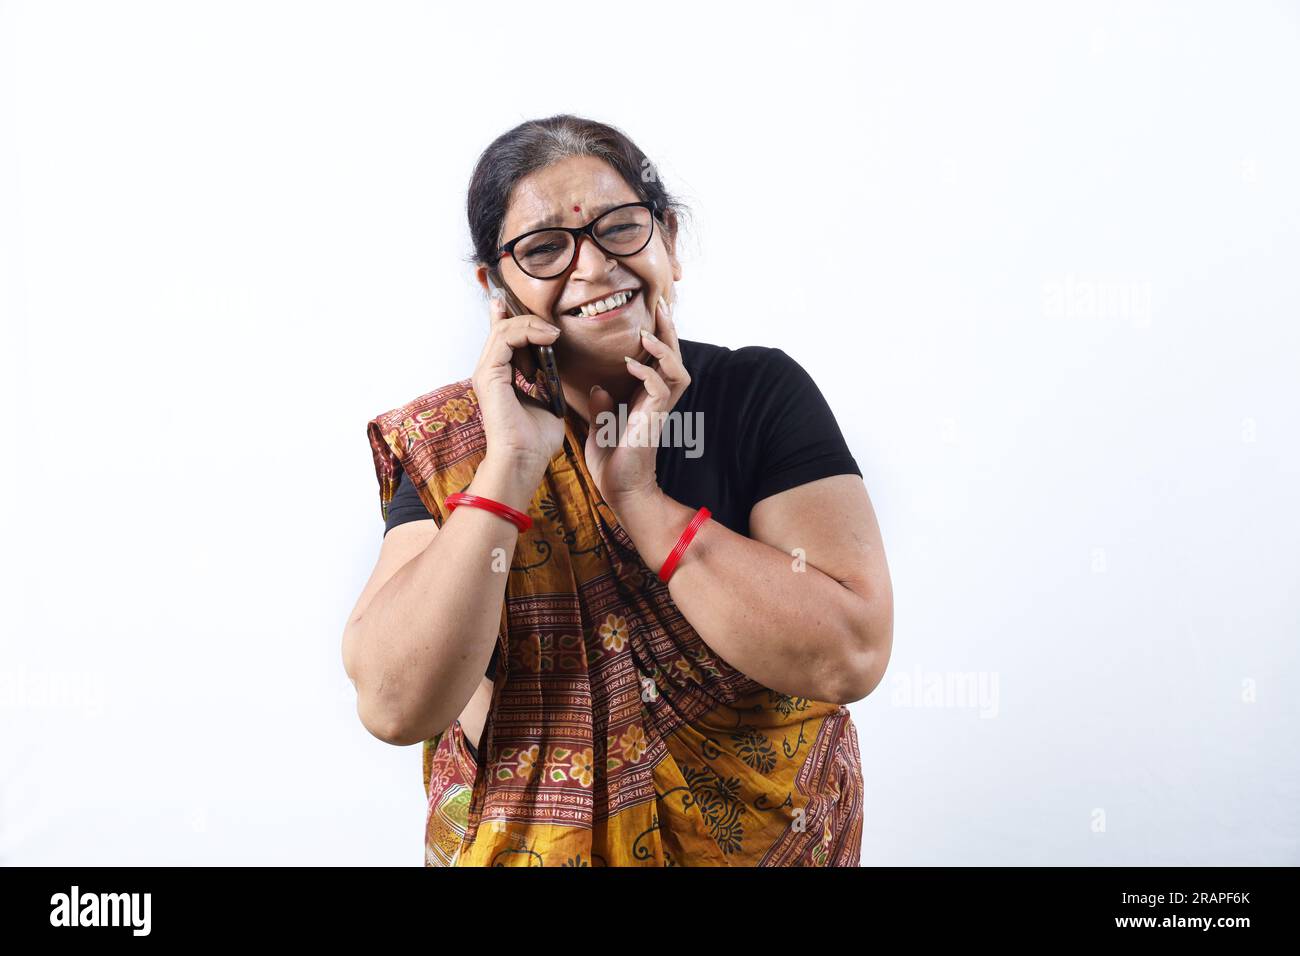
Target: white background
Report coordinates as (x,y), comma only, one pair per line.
(1041,259)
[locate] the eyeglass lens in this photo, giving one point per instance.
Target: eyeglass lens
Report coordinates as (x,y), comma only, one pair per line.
(620,232)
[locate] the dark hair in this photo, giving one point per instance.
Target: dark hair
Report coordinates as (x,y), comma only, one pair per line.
(536,144)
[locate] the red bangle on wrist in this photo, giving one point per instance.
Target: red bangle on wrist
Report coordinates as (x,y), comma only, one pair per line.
(674,556)
(521,521)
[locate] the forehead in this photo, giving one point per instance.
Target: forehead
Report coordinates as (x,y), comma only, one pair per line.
(547,196)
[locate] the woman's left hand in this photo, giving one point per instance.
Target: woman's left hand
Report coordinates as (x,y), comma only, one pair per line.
(627,470)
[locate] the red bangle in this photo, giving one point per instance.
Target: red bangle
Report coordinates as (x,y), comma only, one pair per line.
(521,521)
(670,565)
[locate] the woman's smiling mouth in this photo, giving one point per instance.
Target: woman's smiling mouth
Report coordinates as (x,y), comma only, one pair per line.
(608,306)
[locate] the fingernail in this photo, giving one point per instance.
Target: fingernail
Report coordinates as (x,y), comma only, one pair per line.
(663,304)
(648,334)
(631,360)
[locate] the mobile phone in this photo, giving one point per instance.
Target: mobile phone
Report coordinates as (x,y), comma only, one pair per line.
(544,355)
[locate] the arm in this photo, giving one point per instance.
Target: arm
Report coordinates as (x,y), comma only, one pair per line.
(824,632)
(423,629)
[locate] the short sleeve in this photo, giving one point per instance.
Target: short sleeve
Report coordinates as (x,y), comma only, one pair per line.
(800,440)
(406,504)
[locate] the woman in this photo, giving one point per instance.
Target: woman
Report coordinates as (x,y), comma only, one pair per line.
(622,720)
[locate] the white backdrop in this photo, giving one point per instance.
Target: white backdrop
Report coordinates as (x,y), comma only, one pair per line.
(1041,259)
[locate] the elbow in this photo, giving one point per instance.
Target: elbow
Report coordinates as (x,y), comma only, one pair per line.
(860,677)
(394,735)
(870,648)
(384,723)
(380,718)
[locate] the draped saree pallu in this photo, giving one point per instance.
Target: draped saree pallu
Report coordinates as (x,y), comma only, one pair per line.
(615,736)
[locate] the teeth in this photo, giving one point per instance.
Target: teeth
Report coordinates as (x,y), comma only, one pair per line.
(604,305)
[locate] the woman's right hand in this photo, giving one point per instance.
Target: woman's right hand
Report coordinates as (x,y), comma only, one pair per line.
(520,434)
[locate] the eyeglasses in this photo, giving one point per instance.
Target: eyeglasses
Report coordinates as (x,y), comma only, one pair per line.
(546,253)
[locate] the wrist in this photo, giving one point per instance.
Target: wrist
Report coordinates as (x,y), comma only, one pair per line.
(683,543)
(654,521)
(510,482)
(644,503)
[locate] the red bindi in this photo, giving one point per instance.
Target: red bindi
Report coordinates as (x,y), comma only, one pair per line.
(577,209)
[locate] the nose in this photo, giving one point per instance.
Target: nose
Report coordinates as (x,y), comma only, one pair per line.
(591,261)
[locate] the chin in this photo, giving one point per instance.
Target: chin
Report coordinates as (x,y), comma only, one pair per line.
(604,351)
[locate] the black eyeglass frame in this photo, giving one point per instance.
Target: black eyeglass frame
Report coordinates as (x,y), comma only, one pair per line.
(509,248)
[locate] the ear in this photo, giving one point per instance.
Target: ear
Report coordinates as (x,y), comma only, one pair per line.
(479,274)
(669,233)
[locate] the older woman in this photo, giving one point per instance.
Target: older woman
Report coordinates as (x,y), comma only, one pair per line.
(616,649)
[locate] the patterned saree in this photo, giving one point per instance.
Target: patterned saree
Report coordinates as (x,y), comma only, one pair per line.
(615,736)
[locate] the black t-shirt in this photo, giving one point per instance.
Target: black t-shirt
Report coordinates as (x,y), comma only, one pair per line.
(753,423)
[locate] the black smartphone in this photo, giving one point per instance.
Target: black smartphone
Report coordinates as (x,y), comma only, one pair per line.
(544,355)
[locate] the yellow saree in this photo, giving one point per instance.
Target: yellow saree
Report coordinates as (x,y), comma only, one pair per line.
(615,736)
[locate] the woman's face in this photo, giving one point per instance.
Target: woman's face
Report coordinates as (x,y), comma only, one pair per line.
(571,193)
